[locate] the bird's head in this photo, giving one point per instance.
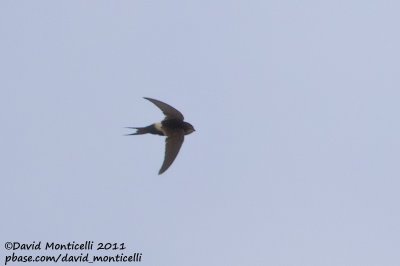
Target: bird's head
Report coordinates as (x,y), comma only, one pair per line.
(188,128)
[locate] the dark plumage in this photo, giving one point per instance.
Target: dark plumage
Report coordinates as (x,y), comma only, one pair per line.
(173,127)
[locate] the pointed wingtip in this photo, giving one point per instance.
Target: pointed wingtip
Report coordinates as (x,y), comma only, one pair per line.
(161,171)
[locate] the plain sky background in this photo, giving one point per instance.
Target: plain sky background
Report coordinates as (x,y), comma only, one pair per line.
(295,161)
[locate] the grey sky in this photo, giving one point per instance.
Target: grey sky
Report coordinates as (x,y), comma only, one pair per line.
(295,160)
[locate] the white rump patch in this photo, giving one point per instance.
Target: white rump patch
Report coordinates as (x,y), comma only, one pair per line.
(158,126)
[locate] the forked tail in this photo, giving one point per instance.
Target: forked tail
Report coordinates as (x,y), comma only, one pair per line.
(139,131)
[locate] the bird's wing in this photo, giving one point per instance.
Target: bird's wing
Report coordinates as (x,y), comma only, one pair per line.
(168,110)
(173,144)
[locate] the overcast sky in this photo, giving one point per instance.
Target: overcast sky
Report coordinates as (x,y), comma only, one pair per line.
(295,158)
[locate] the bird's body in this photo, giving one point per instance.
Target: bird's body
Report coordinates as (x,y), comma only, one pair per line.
(173,127)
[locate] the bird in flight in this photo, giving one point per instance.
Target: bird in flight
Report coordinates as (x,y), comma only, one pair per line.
(173,127)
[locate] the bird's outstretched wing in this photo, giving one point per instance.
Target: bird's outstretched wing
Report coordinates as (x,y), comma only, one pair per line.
(173,144)
(168,110)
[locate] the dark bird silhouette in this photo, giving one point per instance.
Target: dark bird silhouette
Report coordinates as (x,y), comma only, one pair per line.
(173,127)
